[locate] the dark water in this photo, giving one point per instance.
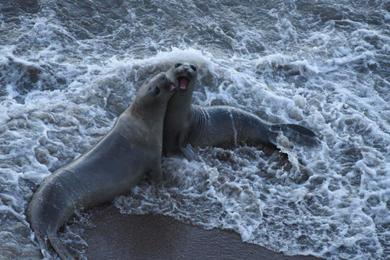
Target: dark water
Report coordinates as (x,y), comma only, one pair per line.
(69,68)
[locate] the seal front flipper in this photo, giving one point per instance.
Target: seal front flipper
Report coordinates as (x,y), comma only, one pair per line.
(60,249)
(188,152)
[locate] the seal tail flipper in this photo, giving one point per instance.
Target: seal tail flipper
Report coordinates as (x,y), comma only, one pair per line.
(302,130)
(58,246)
(297,133)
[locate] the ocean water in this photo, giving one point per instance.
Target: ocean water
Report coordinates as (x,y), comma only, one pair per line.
(69,68)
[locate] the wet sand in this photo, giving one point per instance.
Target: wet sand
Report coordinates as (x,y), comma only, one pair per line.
(118,236)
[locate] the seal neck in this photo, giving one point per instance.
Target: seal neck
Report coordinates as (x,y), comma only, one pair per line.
(181,101)
(152,115)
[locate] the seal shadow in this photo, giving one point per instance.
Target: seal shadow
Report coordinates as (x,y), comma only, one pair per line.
(131,235)
(119,236)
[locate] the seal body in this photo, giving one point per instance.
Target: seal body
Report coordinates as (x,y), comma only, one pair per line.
(178,123)
(227,127)
(128,152)
(186,125)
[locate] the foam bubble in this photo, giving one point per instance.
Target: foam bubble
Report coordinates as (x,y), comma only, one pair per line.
(323,66)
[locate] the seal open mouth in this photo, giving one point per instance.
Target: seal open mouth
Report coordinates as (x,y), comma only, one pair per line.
(183,82)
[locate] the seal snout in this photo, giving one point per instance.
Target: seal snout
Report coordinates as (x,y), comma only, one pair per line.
(169,86)
(184,72)
(166,83)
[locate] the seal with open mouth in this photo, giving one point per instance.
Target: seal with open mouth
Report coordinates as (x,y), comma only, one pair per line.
(188,125)
(131,150)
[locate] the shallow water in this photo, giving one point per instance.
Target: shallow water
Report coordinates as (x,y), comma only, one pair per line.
(67,70)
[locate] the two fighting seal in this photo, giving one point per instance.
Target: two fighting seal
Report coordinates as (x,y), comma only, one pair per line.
(129,151)
(156,122)
(188,125)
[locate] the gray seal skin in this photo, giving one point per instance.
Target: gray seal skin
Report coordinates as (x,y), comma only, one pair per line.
(188,125)
(127,153)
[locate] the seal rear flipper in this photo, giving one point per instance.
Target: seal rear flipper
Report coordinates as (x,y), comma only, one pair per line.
(58,246)
(302,130)
(297,133)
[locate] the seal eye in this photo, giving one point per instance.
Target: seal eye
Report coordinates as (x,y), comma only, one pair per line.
(193,67)
(177,65)
(156,91)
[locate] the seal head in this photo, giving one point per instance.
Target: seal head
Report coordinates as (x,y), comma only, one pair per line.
(184,74)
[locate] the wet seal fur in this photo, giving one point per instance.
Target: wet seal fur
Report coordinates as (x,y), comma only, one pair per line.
(127,153)
(188,125)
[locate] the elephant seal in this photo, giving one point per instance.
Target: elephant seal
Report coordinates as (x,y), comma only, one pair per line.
(128,152)
(189,125)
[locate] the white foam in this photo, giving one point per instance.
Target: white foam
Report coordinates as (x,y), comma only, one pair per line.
(326,75)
